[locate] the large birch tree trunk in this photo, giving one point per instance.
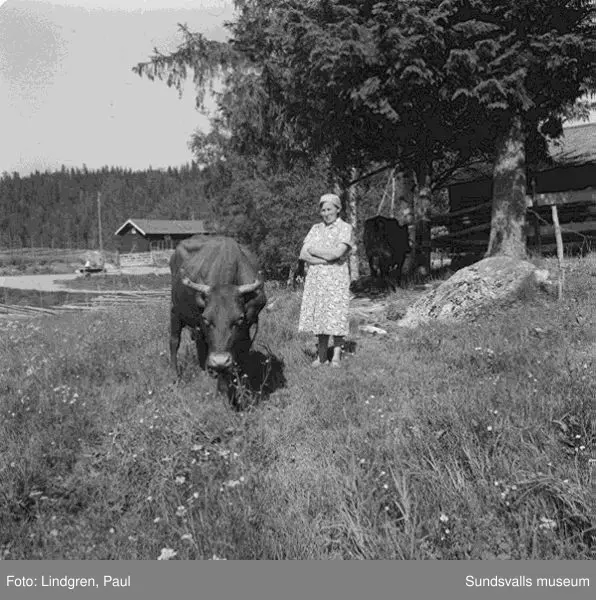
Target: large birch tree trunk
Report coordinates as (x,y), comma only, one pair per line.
(350,194)
(508,221)
(419,259)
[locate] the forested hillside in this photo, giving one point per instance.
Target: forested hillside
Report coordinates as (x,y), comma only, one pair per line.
(60,209)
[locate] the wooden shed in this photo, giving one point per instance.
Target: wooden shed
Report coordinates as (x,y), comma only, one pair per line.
(150,235)
(567,180)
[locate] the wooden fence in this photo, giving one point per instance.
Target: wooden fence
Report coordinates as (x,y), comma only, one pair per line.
(155,258)
(467,231)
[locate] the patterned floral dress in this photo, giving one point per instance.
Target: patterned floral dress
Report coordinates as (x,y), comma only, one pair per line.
(326,296)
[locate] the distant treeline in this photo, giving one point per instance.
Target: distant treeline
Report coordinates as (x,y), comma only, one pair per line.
(59,209)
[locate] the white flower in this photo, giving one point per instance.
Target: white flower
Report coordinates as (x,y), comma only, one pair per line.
(443,518)
(546,523)
(186,536)
(180,479)
(181,511)
(166,554)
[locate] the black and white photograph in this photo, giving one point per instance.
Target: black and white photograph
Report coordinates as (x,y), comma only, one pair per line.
(297,280)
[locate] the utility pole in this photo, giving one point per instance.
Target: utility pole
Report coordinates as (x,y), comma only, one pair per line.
(99,224)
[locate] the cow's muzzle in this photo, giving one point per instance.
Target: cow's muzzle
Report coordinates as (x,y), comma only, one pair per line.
(220,362)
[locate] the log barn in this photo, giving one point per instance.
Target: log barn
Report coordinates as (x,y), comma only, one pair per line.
(147,235)
(567,180)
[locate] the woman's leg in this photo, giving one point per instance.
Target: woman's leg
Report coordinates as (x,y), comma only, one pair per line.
(322,346)
(338,341)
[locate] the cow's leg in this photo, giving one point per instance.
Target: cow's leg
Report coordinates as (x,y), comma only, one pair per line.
(243,345)
(202,350)
(398,273)
(371,266)
(389,280)
(176,327)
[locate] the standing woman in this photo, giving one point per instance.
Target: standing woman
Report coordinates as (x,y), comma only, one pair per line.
(326,297)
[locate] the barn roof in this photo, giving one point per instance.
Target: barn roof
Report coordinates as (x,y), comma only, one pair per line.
(575,148)
(163,226)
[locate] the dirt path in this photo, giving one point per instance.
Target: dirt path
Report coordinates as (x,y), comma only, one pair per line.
(59,283)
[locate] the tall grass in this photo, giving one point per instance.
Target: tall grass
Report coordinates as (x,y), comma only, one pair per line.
(453,442)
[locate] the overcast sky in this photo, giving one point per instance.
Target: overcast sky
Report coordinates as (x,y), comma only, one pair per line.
(67,92)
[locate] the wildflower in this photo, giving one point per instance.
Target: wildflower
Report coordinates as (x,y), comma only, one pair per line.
(149,498)
(215,557)
(186,536)
(443,518)
(54,533)
(546,523)
(166,554)
(181,511)
(112,530)
(157,519)
(386,487)
(195,495)
(180,479)
(489,428)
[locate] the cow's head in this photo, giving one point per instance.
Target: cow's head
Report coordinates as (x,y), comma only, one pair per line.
(226,319)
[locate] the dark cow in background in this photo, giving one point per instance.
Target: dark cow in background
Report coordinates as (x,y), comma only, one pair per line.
(386,243)
(217,291)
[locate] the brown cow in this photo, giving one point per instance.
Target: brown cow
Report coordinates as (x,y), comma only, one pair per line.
(217,291)
(386,243)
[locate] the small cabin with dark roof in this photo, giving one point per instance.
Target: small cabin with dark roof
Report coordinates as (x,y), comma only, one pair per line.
(567,180)
(147,235)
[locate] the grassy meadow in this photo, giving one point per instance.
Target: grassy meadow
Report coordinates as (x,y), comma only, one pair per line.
(468,441)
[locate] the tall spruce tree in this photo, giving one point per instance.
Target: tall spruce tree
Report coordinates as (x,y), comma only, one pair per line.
(521,63)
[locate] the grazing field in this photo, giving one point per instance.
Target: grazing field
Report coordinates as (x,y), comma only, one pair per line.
(463,441)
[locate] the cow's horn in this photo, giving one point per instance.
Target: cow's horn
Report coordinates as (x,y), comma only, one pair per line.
(251,287)
(199,287)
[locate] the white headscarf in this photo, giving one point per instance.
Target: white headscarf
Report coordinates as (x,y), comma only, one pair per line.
(332,199)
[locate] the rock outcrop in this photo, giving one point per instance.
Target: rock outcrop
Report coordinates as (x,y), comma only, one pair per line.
(476,289)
